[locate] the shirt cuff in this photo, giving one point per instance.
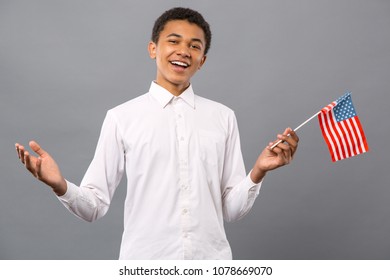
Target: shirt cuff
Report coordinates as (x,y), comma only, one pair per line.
(252,187)
(71,193)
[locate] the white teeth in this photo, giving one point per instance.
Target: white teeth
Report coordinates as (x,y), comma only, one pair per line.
(179,63)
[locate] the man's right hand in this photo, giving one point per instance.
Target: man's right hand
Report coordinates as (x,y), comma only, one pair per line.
(43,167)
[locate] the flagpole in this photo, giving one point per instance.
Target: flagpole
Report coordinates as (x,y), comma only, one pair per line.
(298,127)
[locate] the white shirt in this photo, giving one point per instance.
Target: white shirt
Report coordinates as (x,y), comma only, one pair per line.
(185,175)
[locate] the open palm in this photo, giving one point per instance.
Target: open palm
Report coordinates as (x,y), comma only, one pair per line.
(43,166)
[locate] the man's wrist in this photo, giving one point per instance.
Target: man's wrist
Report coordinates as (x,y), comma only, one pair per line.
(257,175)
(61,188)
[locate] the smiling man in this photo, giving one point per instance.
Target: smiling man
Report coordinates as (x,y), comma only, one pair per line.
(181,154)
(179,51)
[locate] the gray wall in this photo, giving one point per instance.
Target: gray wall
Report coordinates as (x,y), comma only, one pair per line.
(64,63)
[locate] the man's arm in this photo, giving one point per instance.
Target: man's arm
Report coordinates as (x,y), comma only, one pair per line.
(43,167)
(239,196)
(92,198)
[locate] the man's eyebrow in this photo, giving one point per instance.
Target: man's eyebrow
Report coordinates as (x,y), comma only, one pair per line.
(197,40)
(174,35)
(179,36)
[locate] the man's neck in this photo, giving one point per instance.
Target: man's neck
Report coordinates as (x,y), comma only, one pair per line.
(175,90)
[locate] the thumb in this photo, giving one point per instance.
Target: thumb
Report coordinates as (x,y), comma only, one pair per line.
(36,148)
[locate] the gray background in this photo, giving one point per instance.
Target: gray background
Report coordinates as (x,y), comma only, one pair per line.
(64,63)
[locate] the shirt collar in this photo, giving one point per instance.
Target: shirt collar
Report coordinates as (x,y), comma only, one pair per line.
(164,97)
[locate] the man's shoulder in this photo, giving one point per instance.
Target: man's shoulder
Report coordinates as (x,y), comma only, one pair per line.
(130,105)
(209,104)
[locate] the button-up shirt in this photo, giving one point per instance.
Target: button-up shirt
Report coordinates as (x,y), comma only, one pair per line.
(185,176)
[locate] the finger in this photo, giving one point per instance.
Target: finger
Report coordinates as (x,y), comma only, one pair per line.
(293,142)
(281,137)
(283,147)
(38,167)
(283,155)
(270,144)
(294,136)
(17,149)
(21,154)
(28,163)
(36,148)
(288,136)
(291,138)
(287,131)
(286,151)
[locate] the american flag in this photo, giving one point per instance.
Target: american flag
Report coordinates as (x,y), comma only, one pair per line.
(342,130)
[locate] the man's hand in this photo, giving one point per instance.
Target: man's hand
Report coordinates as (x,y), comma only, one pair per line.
(43,167)
(281,155)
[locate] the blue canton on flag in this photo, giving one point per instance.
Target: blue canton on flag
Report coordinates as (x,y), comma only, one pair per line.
(344,108)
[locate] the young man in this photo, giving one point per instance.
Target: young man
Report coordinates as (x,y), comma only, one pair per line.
(181,154)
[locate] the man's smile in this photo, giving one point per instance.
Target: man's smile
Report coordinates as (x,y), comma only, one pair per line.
(180,63)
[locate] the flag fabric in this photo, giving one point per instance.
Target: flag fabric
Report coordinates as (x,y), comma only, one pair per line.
(342,130)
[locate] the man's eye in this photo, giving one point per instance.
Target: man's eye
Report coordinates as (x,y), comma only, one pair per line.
(172,41)
(195,47)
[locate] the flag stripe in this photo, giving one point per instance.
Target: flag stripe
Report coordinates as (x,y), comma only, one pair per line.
(332,123)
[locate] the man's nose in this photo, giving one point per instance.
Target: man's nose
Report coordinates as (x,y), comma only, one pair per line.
(184,51)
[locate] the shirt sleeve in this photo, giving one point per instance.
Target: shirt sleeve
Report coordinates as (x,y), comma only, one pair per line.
(92,198)
(238,191)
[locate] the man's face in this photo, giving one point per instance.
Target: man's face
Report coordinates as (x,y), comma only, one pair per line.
(179,53)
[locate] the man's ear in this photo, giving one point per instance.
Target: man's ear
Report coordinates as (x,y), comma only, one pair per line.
(152,49)
(202,62)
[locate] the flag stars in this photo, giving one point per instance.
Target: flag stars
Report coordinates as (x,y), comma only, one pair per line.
(344,108)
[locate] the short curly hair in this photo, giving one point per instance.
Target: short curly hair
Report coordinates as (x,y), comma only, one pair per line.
(179,13)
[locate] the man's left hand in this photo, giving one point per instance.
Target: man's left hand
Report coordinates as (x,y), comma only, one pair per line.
(280,155)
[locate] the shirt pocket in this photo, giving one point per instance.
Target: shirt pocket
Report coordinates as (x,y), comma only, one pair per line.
(211,147)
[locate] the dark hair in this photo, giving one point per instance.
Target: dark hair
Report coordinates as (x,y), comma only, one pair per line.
(182,14)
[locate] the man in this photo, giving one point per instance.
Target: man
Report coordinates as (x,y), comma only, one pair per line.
(181,154)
